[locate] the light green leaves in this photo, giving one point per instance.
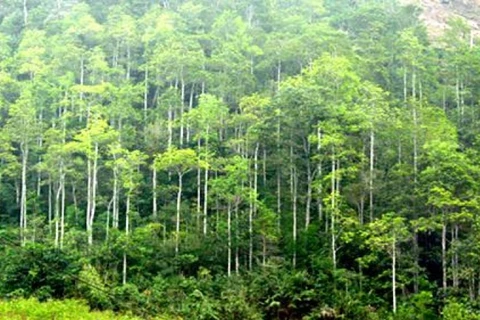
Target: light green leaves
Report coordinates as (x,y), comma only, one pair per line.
(180,161)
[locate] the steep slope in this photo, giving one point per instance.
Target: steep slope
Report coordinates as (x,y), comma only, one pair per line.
(436,13)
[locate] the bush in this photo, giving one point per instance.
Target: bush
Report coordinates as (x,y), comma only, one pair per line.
(32,309)
(455,310)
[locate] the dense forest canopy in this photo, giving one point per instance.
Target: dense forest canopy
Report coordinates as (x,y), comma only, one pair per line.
(239,159)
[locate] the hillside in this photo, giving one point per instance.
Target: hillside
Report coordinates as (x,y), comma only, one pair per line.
(239,159)
(436,13)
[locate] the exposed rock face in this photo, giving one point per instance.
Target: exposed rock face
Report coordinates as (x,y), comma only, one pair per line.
(436,13)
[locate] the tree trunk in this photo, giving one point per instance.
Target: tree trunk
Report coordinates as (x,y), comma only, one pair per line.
(309,195)
(455,272)
(279,180)
(170,125)
(145,100)
(23,197)
(320,174)
(50,213)
(127,76)
(115,54)
(107,223)
(75,204)
(25,13)
(154,192)
(370,182)
(457,96)
(190,107)
(229,239)
(89,196)
(333,213)
(250,226)
(182,129)
(279,198)
(177,220)
(91,216)
(57,215)
(279,74)
(293,187)
(237,256)
(62,209)
(444,254)
(62,186)
(82,81)
(308,200)
(255,178)
(394,275)
(115,213)
(205,186)
(415,180)
(462,101)
(127,232)
(264,166)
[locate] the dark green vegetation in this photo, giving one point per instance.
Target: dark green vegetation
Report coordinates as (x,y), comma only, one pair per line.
(239,159)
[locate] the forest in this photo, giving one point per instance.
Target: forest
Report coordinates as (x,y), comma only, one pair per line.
(237,160)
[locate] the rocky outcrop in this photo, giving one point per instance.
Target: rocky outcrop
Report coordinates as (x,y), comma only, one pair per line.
(436,13)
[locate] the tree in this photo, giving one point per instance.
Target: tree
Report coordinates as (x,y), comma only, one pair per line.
(207,121)
(89,142)
(130,175)
(385,234)
(22,128)
(180,161)
(230,189)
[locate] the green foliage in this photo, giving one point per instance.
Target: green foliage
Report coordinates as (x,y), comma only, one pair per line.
(92,288)
(31,309)
(455,310)
(38,271)
(237,159)
(179,161)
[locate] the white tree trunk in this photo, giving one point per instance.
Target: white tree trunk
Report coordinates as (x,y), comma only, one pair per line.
(145,99)
(127,76)
(127,231)
(62,210)
(394,276)
(444,255)
(309,195)
(237,256)
(205,186)
(89,196)
(57,215)
(229,239)
(91,216)
(182,110)
(370,183)
(333,213)
(107,223)
(293,187)
(50,213)
(25,13)
(115,210)
(279,180)
(154,191)
(320,174)
(250,226)
(415,178)
(170,125)
(177,220)
(190,107)
(23,197)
